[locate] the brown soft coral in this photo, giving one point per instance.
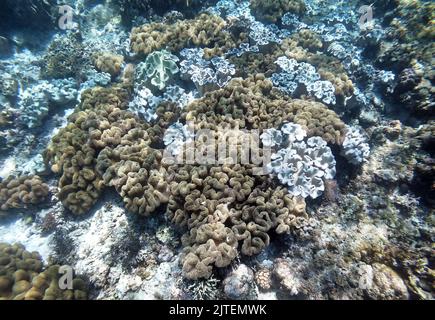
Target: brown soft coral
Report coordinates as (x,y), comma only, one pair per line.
(308,39)
(252,104)
(222,205)
(206,31)
(23,277)
(109,63)
(273,209)
(21,192)
(100,134)
(106,145)
(210,244)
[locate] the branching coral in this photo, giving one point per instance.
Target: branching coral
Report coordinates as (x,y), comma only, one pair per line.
(23,277)
(22,192)
(66,57)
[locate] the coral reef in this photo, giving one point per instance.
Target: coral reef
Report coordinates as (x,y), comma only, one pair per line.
(22,192)
(308,39)
(408,45)
(277,149)
(36,101)
(24,277)
(203,198)
(66,57)
(72,154)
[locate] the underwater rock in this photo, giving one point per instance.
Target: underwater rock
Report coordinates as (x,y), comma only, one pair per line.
(286,277)
(386,284)
(239,284)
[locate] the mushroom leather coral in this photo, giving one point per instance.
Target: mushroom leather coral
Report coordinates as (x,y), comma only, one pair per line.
(21,192)
(205,31)
(23,277)
(253,104)
(103,136)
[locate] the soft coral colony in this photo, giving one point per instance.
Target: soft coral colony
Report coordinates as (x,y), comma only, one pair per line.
(224,210)
(246,65)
